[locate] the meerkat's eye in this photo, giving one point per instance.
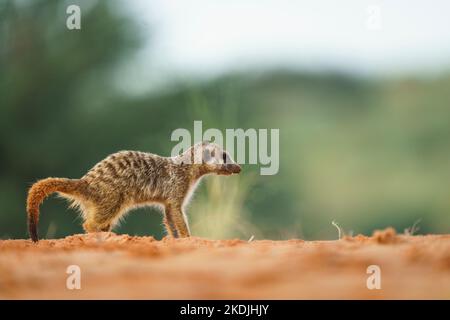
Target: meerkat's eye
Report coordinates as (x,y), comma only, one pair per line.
(224,157)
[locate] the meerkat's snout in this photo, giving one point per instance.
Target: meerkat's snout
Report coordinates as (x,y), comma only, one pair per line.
(233,168)
(229,169)
(218,160)
(229,166)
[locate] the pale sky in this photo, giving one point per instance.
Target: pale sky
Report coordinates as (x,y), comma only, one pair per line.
(206,37)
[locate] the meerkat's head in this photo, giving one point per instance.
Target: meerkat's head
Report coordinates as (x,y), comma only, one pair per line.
(213,159)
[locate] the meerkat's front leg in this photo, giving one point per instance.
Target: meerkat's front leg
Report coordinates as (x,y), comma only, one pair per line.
(169,224)
(174,213)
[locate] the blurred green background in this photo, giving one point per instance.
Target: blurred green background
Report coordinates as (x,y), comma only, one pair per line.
(365,152)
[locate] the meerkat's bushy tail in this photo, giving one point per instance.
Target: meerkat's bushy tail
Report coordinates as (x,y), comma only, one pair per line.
(41,190)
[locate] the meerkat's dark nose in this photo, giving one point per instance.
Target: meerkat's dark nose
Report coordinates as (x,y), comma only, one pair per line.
(234,168)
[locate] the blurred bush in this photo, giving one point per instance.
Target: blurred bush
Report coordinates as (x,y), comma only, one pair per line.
(365,153)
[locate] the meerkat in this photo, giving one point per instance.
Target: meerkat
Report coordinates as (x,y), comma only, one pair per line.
(128,179)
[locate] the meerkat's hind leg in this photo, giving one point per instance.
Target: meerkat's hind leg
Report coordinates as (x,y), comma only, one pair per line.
(169,223)
(86,208)
(101,218)
(93,225)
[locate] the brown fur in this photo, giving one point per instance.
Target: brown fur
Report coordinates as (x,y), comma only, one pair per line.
(128,179)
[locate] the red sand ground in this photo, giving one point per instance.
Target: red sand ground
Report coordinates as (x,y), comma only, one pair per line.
(121,266)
